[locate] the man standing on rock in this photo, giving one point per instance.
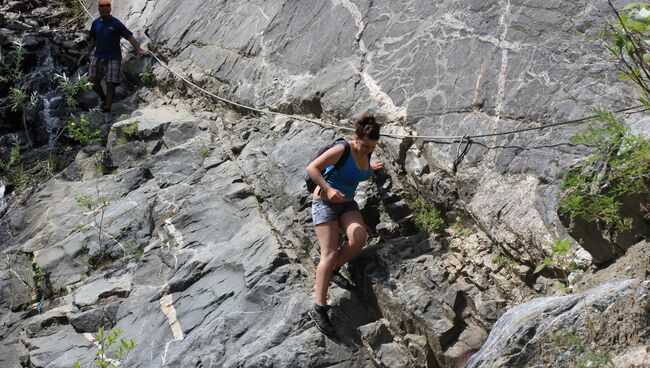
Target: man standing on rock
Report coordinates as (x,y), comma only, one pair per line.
(105,33)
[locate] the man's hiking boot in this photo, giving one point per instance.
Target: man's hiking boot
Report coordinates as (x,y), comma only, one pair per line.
(319,315)
(340,280)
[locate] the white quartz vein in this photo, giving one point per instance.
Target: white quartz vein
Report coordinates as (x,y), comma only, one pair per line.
(358,20)
(501,91)
(167,307)
(386,103)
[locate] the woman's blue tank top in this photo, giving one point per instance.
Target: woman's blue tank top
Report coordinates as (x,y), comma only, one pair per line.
(347,177)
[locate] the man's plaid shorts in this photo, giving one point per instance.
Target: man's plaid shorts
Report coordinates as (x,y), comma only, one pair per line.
(99,67)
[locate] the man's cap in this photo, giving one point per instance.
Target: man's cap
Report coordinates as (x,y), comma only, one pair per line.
(104,2)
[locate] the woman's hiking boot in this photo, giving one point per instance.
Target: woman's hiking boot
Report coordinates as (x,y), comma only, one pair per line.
(106,115)
(340,280)
(319,315)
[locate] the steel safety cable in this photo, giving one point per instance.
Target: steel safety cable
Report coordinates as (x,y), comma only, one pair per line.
(453,138)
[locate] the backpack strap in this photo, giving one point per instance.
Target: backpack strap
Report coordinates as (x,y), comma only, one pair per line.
(345,155)
(343,158)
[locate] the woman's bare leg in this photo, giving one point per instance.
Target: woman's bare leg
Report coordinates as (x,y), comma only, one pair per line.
(328,239)
(355,230)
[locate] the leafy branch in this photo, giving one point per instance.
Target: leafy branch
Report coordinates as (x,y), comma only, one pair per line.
(618,168)
(105,357)
(627,38)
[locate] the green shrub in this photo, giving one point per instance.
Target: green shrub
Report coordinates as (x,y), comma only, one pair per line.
(80,131)
(14,168)
(131,130)
(13,72)
(618,168)
(427,217)
(148,78)
(75,7)
(71,87)
(458,229)
(127,133)
(21,101)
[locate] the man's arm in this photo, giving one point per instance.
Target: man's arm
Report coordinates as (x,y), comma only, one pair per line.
(136,46)
(91,47)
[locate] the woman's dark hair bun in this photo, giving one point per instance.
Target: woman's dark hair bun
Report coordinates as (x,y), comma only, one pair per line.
(367,127)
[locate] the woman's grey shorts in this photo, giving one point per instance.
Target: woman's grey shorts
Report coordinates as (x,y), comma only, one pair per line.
(325,211)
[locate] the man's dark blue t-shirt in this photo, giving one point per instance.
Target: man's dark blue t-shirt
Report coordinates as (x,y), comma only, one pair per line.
(107,38)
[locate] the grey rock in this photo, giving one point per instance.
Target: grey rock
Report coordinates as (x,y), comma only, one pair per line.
(92,292)
(387,229)
(375,334)
(522,326)
(32,42)
(633,357)
(60,349)
(15,25)
(393,355)
(38,325)
(16,274)
(17,6)
(128,155)
(13,353)
(218,251)
(91,320)
(63,261)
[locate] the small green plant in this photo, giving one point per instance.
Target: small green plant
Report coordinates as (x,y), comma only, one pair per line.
(40,287)
(505,261)
(71,87)
(566,339)
(560,253)
(132,251)
(79,129)
(81,228)
(458,229)
(85,201)
(561,263)
(427,217)
(169,214)
(14,167)
(131,130)
(586,357)
(13,73)
(204,150)
(128,132)
(107,355)
(148,78)
(76,8)
(39,274)
(97,206)
(22,101)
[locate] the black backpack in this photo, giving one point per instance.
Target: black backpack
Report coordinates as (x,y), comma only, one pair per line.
(311,185)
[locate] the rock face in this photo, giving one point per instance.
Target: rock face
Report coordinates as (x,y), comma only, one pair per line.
(439,70)
(190,230)
(538,332)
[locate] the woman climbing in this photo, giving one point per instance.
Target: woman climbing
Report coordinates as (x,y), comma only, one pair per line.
(334,208)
